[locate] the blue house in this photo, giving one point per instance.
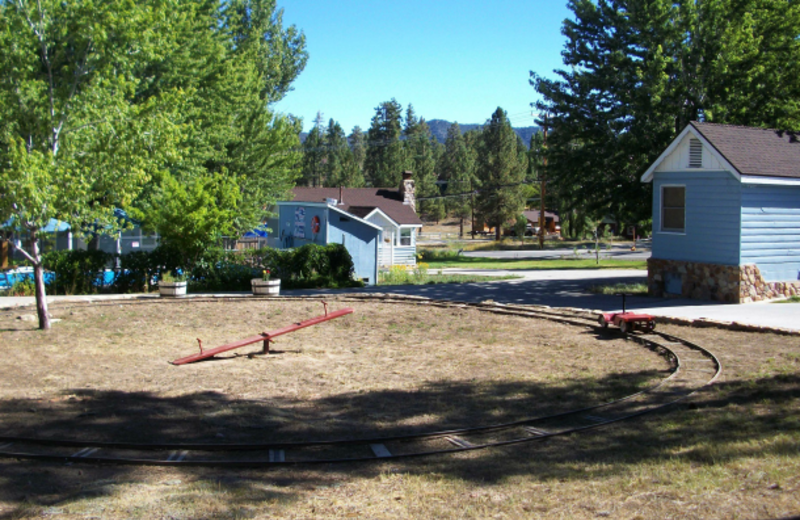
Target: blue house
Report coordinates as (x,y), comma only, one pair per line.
(726,214)
(378,226)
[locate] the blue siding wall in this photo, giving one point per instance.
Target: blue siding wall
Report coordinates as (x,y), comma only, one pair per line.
(360,240)
(713,218)
(287,226)
(771,231)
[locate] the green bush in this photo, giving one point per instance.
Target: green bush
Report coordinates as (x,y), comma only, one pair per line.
(438,255)
(22,287)
(309,266)
(218,270)
(77,271)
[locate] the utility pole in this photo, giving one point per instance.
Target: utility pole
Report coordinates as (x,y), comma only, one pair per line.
(543,184)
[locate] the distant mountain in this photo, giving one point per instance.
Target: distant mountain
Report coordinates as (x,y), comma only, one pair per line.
(439,129)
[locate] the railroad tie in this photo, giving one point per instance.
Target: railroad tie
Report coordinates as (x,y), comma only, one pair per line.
(458,441)
(6,446)
(536,432)
(380,451)
(85,452)
(177,456)
(277,456)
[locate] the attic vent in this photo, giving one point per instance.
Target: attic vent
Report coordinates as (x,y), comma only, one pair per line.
(695,153)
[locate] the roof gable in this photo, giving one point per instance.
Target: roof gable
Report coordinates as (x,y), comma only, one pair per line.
(742,150)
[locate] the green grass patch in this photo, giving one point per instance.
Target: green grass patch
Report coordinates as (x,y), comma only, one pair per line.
(420,275)
(639,289)
(532,263)
(793,299)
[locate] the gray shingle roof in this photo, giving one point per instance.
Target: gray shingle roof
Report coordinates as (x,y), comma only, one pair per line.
(362,201)
(755,151)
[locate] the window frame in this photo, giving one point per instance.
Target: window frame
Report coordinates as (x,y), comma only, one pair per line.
(662,228)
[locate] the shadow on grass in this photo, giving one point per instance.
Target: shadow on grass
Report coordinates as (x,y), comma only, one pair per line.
(726,422)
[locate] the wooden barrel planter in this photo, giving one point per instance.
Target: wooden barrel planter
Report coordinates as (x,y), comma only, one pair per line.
(171,289)
(271,287)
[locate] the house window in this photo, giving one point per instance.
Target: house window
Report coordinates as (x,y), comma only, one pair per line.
(405,237)
(695,153)
(673,209)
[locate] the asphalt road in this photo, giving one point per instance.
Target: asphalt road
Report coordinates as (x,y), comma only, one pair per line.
(616,252)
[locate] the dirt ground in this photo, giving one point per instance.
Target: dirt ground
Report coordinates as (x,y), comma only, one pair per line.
(391,368)
(103,372)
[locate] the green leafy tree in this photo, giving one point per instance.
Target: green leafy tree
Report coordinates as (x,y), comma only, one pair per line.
(385,160)
(501,168)
(190,217)
(457,167)
(279,52)
(220,60)
(75,140)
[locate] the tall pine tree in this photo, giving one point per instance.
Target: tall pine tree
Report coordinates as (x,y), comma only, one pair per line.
(637,71)
(457,167)
(385,159)
(501,168)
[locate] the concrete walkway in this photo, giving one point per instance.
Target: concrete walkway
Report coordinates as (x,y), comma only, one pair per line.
(556,288)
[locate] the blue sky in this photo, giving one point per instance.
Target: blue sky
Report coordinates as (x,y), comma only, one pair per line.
(452,59)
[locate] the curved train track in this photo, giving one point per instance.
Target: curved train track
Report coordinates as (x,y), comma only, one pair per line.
(693,367)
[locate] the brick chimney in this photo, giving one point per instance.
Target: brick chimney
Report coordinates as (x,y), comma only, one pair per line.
(407,190)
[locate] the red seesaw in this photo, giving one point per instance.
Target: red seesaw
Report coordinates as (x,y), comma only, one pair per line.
(266,337)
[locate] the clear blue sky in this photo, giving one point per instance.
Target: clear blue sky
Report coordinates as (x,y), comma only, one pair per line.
(452,59)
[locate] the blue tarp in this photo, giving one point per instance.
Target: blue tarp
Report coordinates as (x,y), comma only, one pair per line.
(51,227)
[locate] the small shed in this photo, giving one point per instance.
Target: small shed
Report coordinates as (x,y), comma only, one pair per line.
(726,214)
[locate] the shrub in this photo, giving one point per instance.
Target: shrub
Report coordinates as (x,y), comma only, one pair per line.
(76,272)
(22,287)
(434,255)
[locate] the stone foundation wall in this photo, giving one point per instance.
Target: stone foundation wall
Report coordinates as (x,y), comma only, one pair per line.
(699,281)
(724,283)
(753,288)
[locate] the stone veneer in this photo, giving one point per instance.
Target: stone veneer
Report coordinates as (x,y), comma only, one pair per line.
(725,283)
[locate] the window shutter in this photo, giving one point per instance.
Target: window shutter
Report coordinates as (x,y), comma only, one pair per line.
(695,153)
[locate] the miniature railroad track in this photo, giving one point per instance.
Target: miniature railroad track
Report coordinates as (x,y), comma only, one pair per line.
(693,368)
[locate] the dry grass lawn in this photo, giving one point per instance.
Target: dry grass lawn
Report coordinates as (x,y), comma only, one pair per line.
(103,373)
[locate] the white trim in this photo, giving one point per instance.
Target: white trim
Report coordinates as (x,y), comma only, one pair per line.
(661,210)
(777,181)
(387,217)
(357,219)
(648,175)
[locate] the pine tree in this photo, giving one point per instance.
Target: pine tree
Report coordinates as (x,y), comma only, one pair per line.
(314,158)
(338,156)
(354,169)
(457,167)
(637,71)
(385,159)
(421,159)
(501,167)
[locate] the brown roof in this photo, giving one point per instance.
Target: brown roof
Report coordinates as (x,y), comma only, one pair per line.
(362,201)
(755,151)
(533,215)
